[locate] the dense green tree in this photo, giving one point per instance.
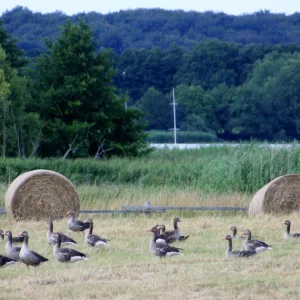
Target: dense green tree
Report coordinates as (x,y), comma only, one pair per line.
(209,64)
(15,93)
(157,109)
(9,44)
(78,102)
(193,100)
(223,96)
(267,105)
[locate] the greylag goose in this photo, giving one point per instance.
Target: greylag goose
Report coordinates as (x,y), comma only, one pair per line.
(65,240)
(11,251)
(66,255)
(254,245)
(287,233)
(76,225)
(27,256)
(161,249)
(6,261)
(172,235)
(234,233)
(237,253)
(94,240)
(15,239)
(159,237)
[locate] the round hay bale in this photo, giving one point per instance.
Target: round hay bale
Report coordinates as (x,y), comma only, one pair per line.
(280,196)
(40,195)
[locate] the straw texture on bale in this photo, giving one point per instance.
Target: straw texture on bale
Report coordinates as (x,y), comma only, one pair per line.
(280,196)
(40,195)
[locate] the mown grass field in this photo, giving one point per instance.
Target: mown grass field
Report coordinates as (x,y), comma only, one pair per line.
(126,269)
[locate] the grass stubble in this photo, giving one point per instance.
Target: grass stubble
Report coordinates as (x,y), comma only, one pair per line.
(127,270)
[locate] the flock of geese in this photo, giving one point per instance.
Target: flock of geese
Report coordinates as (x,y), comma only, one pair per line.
(159,244)
(57,239)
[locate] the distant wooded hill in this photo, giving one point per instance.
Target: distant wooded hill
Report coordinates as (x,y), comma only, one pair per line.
(148,28)
(236,77)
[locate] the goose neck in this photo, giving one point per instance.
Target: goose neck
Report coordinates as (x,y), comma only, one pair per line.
(229,249)
(91,227)
(50,227)
(175,224)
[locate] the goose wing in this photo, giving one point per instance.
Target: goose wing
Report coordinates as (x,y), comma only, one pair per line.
(68,253)
(95,239)
(165,249)
(256,245)
(66,239)
(4,261)
(40,257)
(243,253)
(169,236)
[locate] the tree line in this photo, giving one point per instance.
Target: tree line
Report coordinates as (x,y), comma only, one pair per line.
(148,28)
(234,91)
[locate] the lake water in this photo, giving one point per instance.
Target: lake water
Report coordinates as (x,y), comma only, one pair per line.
(206,145)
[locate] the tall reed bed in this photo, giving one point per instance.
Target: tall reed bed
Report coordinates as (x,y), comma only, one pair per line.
(217,169)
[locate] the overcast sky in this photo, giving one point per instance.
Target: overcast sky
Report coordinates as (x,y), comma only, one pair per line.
(234,7)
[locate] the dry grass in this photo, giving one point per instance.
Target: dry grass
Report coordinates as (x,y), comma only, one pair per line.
(127,270)
(107,196)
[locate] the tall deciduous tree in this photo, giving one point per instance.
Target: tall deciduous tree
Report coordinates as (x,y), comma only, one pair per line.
(77,98)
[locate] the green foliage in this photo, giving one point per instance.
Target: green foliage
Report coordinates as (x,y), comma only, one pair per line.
(77,99)
(157,109)
(235,77)
(195,101)
(218,169)
(223,97)
(15,93)
(147,28)
(209,64)
(267,104)
(9,44)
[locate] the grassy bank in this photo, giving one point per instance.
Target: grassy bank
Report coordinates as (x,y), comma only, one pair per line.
(243,169)
(112,196)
